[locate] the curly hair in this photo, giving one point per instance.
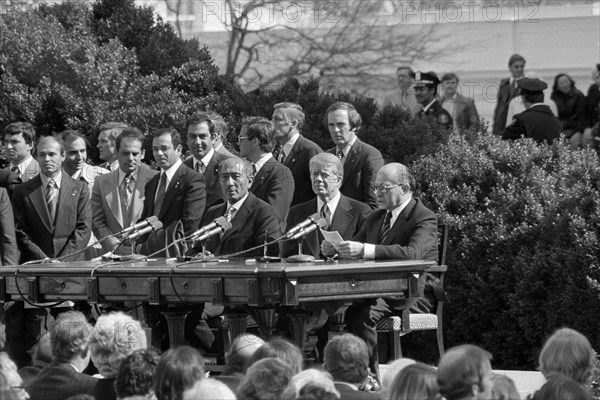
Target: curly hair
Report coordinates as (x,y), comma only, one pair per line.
(265,380)
(136,372)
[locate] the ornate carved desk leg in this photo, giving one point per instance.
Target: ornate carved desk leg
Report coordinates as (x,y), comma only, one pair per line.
(299,318)
(176,324)
(237,323)
(152,318)
(265,319)
(337,317)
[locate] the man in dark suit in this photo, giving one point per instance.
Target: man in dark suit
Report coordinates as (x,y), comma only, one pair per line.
(63,378)
(461,108)
(8,181)
(272,182)
(205,160)
(9,251)
(402,229)
(343,214)
(508,90)
(426,84)
(294,150)
(19,139)
(52,211)
(118,197)
(176,194)
(361,161)
(537,121)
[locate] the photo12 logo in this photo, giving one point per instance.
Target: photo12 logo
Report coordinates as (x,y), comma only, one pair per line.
(468,11)
(270,12)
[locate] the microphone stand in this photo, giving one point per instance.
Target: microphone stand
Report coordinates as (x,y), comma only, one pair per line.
(300,258)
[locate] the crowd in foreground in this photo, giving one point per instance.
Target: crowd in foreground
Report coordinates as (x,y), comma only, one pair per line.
(128,369)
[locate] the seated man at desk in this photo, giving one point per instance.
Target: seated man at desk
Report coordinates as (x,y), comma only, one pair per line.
(401,229)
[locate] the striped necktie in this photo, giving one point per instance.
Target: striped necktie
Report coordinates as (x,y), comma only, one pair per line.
(52,198)
(385,228)
(160,194)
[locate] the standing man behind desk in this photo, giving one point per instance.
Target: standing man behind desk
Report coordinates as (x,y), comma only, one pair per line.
(294,150)
(461,108)
(402,229)
(201,131)
(178,193)
(106,144)
(343,214)
(404,95)
(508,90)
(426,84)
(361,161)
(272,181)
(118,197)
(19,139)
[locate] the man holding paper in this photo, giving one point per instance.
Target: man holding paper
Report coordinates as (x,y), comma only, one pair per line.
(344,215)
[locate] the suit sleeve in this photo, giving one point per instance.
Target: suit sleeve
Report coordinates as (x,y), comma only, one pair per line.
(515,130)
(269,224)
(80,236)
(422,241)
(9,254)
(371,166)
(99,226)
(29,250)
(280,193)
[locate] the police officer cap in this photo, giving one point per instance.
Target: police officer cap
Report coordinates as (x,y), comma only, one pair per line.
(531,85)
(426,79)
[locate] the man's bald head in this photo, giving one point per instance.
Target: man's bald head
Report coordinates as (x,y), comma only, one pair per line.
(242,348)
(393,186)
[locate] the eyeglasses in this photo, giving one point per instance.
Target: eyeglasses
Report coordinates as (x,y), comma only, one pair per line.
(240,138)
(382,188)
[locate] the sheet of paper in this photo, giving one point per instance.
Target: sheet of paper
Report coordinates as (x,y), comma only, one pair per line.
(332,237)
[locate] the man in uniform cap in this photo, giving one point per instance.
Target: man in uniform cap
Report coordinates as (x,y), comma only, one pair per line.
(426,84)
(537,121)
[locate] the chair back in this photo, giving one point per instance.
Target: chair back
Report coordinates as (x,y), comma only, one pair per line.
(442,243)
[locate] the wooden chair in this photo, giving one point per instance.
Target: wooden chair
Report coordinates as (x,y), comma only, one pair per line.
(419,322)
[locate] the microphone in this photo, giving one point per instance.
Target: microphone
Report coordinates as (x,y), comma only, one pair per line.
(154,227)
(310,220)
(219,222)
(320,223)
(143,224)
(220,228)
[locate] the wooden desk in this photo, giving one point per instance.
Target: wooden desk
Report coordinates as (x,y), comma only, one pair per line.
(232,283)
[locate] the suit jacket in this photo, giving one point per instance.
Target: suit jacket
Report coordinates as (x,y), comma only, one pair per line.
(435,110)
(9,180)
(107,215)
(412,237)
(223,150)
(59,381)
(38,238)
(274,184)
(297,162)
(350,217)
(465,113)
(9,250)
(360,169)
(348,393)
(211,177)
(505,94)
(249,224)
(184,200)
(538,123)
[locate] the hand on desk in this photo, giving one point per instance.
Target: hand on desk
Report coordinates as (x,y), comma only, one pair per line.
(348,248)
(327,249)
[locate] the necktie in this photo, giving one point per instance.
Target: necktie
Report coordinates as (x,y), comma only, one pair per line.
(281,156)
(277,153)
(254,169)
(127,192)
(51,198)
(15,169)
(228,216)
(160,194)
(325,214)
(340,155)
(200,167)
(385,228)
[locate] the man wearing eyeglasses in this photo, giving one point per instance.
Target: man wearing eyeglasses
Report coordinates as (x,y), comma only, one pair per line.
(403,228)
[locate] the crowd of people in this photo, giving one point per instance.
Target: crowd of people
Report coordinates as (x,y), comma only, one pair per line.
(57,207)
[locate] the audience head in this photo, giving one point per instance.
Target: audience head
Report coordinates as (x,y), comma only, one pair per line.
(130,149)
(343,122)
(311,384)
(465,372)
(504,388)
(266,379)
(388,375)
(81,397)
(393,186)
(281,349)
(42,351)
(516,65)
(135,374)
(221,128)
(561,387)
(426,84)
(166,147)
(346,358)
(50,155)
(209,389)
(242,348)
(11,384)
(115,336)
(178,370)
(532,90)
(235,176)
(288,119)
(257,136)
(69,337)
(415,382)
(18,139)
(326,175)
(75,150)
(562,83)
(568,352)
(106,140)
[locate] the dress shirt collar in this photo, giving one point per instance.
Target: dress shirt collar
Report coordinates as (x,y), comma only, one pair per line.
(537,104)
(331,204)
(57,180)
(347,148)
(204,160)
(22,166)
(171,171)
(289,145)
(113,166)
(262,160)
(396,211)
(236,205)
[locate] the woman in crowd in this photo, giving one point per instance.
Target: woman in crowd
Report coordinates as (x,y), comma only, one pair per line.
(177,371)
(135,375)
(311,384)
(415,382)
(570,103)
(561,387)
(282,349)
(592,107)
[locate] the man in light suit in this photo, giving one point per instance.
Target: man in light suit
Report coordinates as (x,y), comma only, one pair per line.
(176,194)
(19,139)
(273,182)
(461,108)
(106,144)
(361,160)
(118,197)
(9,251)
(343,214)
(294,150)
(402,229)
(201,131)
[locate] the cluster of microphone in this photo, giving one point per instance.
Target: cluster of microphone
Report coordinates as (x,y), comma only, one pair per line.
(150,224)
